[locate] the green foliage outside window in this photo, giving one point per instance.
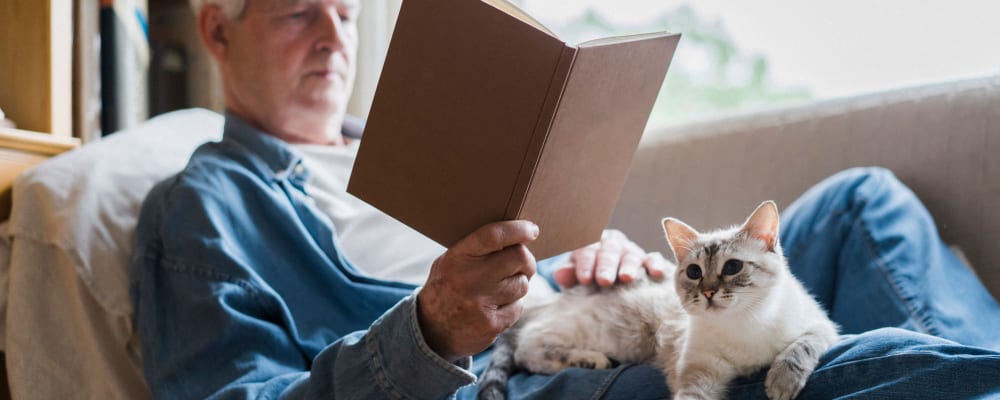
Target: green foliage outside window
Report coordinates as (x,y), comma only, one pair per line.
(709,74)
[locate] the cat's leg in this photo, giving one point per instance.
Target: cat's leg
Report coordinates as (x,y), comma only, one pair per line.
(670,337)
(702,378)
(791,369)
(589,359)
(549,359)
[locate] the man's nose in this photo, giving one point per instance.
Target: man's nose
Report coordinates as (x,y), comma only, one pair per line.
(330,30)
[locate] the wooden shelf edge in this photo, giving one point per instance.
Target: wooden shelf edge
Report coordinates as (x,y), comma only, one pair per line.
(35,142)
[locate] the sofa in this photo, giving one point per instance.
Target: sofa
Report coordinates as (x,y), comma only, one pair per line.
(942,140)
(63,253)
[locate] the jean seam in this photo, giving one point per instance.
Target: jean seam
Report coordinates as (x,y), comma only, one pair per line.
(377,368)
(921,323)
(413,328)
(896,357)
(812,234)
(603,389)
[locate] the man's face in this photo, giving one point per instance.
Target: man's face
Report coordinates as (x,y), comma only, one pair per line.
(290,64)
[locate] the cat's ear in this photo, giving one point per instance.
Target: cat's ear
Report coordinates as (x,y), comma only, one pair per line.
(763,224)
(680,237)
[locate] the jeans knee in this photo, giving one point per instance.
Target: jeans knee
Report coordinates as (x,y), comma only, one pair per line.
(896,337)
(865,184)
(881,342)
(866,179)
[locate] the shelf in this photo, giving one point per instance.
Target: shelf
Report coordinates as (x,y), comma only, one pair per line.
(35,142)
(36,64)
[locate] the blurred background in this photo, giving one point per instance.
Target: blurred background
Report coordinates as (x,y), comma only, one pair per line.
(744,55)
(115,63)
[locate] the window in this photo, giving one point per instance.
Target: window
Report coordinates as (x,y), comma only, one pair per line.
(737,55)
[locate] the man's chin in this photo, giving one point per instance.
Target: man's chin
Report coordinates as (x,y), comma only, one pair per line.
(321,105)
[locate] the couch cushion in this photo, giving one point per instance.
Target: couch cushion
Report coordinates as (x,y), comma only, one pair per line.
(86,202)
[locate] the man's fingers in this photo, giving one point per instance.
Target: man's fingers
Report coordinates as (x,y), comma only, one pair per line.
(510,290)
(631,268)
(632,247)
(608,259)
(494,237)
(612,234)
(657,266)
(514,260)
(565,275)
(614,258)
(633,262)
(584,259)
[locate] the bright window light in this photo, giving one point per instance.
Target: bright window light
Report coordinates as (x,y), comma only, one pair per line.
(740,55)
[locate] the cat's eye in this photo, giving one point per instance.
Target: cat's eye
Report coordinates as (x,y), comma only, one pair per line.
(732,267)
(694,271)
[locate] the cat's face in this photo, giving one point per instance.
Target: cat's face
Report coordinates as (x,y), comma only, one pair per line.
(727,271)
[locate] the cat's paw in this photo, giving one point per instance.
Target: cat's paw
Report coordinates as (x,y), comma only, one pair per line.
(555,359)
(685,395)
(587,359)
(785,380)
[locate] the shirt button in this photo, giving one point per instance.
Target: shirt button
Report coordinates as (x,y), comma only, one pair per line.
(299,169)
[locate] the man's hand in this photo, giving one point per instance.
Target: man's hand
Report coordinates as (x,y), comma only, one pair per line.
(472,292)
(614,258)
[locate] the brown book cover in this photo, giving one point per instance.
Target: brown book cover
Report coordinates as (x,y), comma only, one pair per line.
(481,114)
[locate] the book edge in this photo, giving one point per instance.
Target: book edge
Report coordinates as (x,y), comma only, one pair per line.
(546,117)
(613,40)
(519,14)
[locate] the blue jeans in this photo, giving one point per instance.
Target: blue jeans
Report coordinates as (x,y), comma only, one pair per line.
(918,323)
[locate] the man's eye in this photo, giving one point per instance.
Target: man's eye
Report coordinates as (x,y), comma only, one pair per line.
(299,15)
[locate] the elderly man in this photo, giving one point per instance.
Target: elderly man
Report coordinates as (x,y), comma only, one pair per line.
(244,285)
(257,276)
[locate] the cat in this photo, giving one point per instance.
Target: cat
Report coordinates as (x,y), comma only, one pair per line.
(732,308)
(745,310)
(588,327)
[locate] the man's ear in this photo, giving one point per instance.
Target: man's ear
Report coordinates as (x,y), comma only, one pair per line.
(213,29)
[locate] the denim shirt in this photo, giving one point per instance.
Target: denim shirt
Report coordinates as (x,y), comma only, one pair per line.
(241,291)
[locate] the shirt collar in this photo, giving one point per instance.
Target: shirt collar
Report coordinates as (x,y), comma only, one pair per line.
(279,158)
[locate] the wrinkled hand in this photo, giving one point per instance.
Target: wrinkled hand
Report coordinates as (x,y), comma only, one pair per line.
(614,259)
(472,292)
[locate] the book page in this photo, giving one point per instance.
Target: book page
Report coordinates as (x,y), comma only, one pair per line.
(455,112)
(621,39)
(600,118)
(517,12)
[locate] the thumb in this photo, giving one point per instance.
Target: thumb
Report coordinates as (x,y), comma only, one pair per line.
(494,237)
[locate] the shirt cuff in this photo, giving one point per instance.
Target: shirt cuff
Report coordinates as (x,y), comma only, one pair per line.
(404,365)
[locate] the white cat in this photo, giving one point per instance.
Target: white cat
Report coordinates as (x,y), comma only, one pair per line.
(730,309)
(746,311)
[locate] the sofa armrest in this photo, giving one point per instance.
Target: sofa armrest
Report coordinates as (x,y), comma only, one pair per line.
(941,140)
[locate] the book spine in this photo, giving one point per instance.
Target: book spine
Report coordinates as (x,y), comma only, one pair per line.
(557,85)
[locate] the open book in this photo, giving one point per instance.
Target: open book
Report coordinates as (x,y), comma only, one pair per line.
(482,114)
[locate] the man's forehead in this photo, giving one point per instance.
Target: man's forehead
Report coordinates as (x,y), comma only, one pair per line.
(277,4)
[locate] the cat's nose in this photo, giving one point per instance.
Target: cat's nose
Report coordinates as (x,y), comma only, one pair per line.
(709,293)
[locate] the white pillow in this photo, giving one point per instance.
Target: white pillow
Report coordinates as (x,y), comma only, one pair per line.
(86,202)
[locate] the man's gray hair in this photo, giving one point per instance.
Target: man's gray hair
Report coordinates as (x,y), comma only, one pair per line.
(232,9)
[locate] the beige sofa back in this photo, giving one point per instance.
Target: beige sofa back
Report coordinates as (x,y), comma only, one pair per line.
(941,140)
